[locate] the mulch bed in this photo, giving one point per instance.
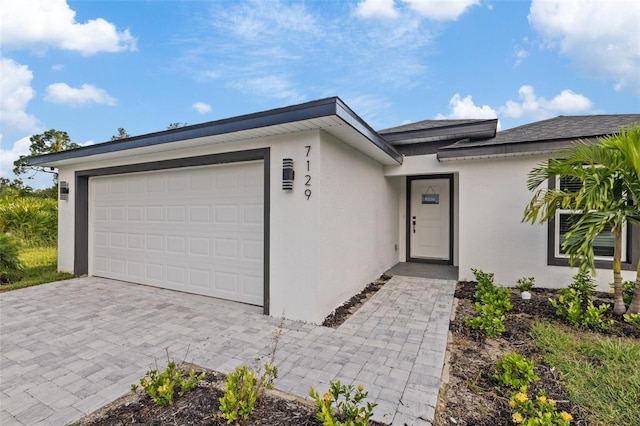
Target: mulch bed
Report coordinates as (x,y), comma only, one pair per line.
(472,396)
(348,308)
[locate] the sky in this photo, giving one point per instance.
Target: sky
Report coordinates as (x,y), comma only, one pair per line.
(90,67)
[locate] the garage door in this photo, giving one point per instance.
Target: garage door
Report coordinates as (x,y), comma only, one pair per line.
(198,230)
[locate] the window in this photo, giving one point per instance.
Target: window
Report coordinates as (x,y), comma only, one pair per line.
(604,243)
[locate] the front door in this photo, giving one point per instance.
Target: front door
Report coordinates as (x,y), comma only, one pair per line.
(429,225)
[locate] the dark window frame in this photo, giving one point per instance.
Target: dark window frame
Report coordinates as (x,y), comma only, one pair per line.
(632,245)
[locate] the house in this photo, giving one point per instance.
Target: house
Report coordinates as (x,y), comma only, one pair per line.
(296,209)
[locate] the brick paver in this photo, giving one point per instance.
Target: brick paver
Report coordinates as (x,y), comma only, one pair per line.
(68,348)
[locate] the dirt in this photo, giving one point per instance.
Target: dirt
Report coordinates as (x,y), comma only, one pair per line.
(470,395)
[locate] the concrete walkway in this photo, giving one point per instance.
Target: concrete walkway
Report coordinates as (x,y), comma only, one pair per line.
(68,348)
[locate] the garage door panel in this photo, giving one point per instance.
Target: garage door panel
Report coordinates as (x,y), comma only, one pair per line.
(197,230)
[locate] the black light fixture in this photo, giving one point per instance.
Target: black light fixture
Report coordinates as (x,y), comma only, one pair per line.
(64,190)
(287,174)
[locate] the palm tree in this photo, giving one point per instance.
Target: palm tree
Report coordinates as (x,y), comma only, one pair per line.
(606,198)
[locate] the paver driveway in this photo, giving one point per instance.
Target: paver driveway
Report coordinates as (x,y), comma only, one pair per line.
(67,348)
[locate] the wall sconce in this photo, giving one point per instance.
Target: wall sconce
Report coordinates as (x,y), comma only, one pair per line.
(64,190)
(287,174)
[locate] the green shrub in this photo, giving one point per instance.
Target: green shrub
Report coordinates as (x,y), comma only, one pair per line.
(585,284)
(628,288)
(349,407)
(243,389)
(491,304)
(542,412)
(32,220)
(11,269)
(575,305)
(526,283)
(515,371)
(162,386)
(633,319)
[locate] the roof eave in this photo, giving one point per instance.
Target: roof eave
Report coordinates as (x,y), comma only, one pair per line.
(307,111)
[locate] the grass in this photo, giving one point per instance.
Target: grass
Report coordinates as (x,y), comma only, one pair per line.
(40,266)
(601,374)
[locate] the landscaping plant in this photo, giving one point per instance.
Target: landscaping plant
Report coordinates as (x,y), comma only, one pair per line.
(11,269)
(605,200)
(348,401)
(243,389)
(542,411)
(514,371)
(491,303)
(633,319)
(246,385)
(525,283)
(34,221)
(162,386)
(576,306)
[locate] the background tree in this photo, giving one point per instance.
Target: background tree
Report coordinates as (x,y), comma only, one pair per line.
(607,197)
(45,143)
(122,134)
(177,125)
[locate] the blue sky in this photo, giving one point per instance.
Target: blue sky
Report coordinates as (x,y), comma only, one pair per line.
(90,67)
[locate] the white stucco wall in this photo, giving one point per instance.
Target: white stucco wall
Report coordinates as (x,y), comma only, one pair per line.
(323,249)
(358,217)
(491,236)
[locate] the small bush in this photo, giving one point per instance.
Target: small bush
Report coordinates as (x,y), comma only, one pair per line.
(491,304)
(11,269)
(628,288)
(542,412)
(162,386)
(575,305)
(514,371)
(584,283)
(243,389)
(349,407)
(633,319)
(526,283)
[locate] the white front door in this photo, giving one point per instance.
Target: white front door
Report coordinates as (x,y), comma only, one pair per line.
(429,220)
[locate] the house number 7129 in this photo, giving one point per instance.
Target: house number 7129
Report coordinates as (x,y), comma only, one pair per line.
(307,177)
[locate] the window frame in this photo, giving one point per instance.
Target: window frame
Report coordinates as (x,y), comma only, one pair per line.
(630,241)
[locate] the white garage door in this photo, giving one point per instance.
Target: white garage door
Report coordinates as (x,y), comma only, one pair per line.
(198,230)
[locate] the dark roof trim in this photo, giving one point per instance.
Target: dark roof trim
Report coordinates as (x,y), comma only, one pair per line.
(306,111)
(480,129)
(522,148)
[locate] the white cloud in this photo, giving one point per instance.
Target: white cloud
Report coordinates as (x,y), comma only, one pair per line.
(270,86)
(201,107)
(376,9)
(57,67)
(439,10)
(40,24)
(62,93)
(601,36)
(537,107)
(460,108)
(8,156)
(15,86)
(436,10)
(261,18)
(520,55)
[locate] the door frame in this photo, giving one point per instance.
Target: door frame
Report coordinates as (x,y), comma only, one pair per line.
(81,229)
(410,179)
